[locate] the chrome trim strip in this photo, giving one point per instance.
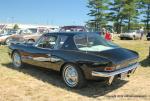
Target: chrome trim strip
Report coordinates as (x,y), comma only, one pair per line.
(106,74)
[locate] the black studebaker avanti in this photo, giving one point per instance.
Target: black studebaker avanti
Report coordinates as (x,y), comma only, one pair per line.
(78,56)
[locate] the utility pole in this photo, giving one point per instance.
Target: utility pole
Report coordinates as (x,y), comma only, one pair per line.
(12,21)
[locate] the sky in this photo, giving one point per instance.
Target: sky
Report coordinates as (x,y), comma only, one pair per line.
(53,12)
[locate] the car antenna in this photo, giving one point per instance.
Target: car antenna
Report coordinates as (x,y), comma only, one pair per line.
(86,41)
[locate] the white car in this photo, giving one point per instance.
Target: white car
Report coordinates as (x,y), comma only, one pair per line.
(132,34)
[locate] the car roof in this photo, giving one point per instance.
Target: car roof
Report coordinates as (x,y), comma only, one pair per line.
(70,33)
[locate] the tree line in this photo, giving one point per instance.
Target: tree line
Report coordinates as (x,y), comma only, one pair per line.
(121,14)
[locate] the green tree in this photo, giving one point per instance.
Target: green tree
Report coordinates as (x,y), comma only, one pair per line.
(146,12)
(129,11)
(123,12)
(16,26)
(98,12)
(115,15)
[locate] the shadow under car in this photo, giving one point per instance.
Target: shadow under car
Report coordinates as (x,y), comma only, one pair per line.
(93,89)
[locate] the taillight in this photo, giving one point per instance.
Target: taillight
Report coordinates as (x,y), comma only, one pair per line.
(109,68)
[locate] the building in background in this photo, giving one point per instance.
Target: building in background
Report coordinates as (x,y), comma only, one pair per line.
(48,28)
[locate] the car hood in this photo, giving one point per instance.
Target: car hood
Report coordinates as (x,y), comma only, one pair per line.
(3,35)
(32,36)
(117,55)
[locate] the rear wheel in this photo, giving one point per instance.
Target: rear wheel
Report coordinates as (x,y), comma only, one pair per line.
(16,59)
(73,76)
(134,38)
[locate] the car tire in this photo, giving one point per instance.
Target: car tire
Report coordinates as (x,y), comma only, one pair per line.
(134,38)
(121,38)
(7,41)
(73,76)
(16,60)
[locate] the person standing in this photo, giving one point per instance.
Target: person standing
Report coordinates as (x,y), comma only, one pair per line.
(103,31)
(142,32)
(108,35)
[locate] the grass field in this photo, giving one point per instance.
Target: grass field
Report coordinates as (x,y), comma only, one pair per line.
(36,84)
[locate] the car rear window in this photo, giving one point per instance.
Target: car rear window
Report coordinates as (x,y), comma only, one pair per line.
(93,42)
(62,40)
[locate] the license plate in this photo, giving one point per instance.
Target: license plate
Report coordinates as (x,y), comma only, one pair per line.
(123,76)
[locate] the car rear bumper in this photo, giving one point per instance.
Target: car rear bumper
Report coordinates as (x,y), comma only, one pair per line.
(111,75)
(148,37)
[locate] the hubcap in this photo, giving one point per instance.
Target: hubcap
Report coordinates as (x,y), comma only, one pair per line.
(71,76)
(16,60)
(8,42)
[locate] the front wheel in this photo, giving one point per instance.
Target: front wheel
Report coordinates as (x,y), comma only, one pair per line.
(8,41)
(16,59)
(122,38)
(73,76)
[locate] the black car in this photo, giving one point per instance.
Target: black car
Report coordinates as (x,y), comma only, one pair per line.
(78,56)
(148,36)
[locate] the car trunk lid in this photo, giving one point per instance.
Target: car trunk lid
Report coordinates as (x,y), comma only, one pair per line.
(119,56)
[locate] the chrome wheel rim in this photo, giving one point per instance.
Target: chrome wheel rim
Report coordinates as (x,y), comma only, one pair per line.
(8,42)
(16,60)
(70,76)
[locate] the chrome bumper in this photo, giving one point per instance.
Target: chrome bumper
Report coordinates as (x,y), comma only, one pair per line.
(112,74)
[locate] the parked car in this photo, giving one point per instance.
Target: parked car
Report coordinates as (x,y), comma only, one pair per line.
(27,36)
(132,34)
(77,56)
(148,36)
(4,38)
(73,29)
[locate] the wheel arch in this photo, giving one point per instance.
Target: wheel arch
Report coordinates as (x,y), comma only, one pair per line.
(31,39)
(6,39)
(15,50)
(73,63)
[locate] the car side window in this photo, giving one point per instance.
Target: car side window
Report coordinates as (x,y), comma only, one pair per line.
(80,40)
(47,42)
(61,41)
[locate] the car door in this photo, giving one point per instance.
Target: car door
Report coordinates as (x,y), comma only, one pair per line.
(42,52)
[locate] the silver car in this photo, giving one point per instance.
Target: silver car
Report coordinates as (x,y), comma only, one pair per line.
(132,34)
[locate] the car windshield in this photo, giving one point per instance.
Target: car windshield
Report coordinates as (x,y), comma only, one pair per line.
(93,42)
(33,30)
(131,31)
